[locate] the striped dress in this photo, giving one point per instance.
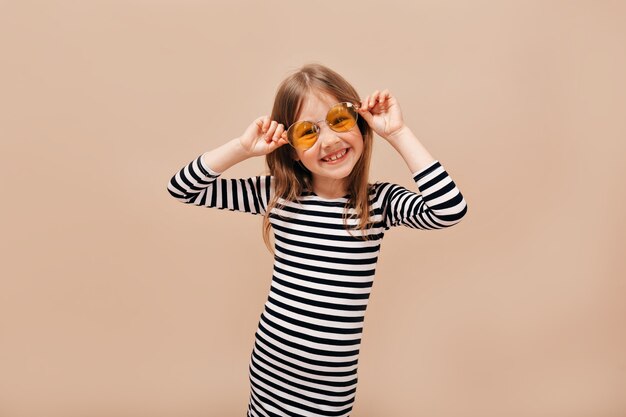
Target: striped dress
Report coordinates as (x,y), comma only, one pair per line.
(306,350)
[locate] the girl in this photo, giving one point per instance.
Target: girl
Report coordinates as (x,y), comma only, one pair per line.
(328,222)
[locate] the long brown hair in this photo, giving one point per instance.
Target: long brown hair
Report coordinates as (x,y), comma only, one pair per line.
(290,177)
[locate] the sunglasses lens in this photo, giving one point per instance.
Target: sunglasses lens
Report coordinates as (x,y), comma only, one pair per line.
(302,135)
(341,118)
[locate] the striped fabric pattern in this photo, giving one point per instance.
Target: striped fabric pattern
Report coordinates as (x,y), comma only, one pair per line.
(305,356)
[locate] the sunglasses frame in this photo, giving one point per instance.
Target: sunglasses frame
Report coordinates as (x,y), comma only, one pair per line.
(356,106)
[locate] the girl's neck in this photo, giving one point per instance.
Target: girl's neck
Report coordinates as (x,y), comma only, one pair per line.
(330,188)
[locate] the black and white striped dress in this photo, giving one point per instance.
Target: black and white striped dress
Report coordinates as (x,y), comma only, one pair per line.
(305,356)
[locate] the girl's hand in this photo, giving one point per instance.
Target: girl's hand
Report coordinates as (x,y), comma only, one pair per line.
(382,112)
(263,136)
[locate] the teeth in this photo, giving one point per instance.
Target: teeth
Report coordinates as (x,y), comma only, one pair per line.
(336,156)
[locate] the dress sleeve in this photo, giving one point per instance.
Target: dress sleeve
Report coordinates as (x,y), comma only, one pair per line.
(198,184)
(439,205)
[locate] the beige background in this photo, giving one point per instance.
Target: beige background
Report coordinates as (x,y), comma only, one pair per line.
(117,300)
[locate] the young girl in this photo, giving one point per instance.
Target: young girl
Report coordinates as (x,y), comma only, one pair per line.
(328,222)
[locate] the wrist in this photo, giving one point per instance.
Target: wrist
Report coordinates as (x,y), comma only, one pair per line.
(411,149)
(400,134)
(238,150)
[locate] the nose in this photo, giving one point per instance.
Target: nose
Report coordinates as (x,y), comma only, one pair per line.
(327,136)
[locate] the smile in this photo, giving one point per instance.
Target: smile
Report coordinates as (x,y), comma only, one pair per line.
(337,156)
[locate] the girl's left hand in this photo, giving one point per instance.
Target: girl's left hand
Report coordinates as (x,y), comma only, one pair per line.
(382,112)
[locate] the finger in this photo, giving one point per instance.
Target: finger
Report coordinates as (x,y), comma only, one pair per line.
(383,96)
(276,144)
(266,123)
(362,105)
(267,136)
(374,97)
(278,132)
(271,129)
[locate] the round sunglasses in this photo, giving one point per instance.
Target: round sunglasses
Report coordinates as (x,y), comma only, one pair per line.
(341,117)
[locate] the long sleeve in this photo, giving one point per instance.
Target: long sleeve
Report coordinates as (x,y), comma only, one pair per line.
(439,205)
(198,184)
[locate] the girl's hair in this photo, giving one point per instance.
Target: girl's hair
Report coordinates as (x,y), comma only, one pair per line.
(291,178)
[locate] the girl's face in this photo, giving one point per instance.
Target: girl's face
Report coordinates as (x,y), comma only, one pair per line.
(329,175)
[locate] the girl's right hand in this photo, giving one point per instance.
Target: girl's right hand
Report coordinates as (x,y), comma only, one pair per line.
(263,136)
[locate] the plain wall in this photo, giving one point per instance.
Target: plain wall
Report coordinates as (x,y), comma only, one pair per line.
(117,300)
